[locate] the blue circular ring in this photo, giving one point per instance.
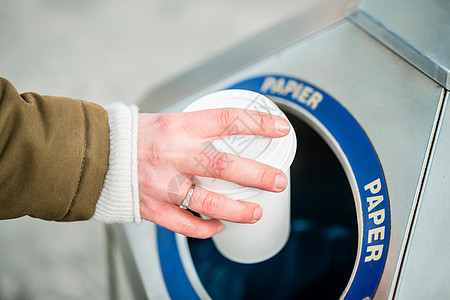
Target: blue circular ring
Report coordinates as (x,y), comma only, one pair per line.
(367,171)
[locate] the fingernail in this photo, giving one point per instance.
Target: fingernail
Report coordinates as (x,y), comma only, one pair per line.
(280,182)
(220,228)
(282,126)
(257,214)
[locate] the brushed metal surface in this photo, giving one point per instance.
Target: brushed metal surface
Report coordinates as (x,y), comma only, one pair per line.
(307,22)
(418,30)
(139,250)
(426,264)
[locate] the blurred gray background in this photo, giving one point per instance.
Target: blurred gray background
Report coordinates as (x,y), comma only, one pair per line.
(103,51)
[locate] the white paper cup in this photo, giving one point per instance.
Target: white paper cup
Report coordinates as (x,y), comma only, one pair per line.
(251,243)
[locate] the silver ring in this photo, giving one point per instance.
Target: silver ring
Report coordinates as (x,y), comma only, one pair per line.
(186,200)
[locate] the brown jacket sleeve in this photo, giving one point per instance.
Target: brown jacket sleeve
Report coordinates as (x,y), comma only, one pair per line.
(53,155)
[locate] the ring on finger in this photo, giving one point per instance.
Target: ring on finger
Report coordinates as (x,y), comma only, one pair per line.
(187,200)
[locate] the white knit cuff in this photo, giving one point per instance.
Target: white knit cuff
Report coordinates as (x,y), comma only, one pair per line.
(119,198)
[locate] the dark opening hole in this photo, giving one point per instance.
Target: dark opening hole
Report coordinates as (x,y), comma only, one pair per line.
(318,259)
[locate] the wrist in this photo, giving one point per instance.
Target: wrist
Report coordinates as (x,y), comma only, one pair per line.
(119,198)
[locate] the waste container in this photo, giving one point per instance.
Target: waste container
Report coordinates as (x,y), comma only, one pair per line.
(367,97)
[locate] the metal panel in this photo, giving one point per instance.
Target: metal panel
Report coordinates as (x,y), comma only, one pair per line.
(249,51)
(140,254)
(426,264)
(418,30)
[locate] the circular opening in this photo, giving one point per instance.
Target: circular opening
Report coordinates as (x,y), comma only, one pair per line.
(319,257)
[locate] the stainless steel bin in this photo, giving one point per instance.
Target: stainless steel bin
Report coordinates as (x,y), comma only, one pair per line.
(367,96)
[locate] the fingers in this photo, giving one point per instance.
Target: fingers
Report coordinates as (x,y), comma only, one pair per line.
(220,207)
(219,123)
(182,221)
(230,167)
(207,203)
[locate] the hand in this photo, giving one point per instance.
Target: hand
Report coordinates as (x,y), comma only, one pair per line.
(169,154)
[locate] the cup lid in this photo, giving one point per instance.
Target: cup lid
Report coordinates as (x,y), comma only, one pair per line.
(276,152)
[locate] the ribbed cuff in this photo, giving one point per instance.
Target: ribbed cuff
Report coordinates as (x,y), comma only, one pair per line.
(119,198)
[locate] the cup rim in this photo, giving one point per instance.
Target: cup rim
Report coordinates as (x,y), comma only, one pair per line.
(271,155)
